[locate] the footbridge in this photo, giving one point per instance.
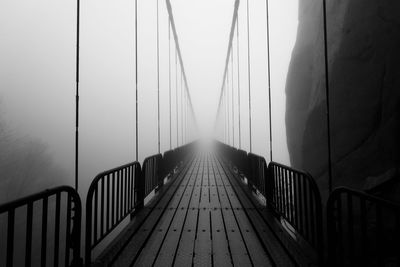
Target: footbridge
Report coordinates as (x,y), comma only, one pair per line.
(199,204)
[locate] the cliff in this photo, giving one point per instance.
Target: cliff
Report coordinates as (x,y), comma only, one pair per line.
(364,79)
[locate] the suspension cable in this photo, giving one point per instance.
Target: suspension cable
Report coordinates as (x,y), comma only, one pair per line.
(269,83)
(169,84)
(158,80)
(238,79)
(224,110)
(226,118)
(181,108)
(184,118)
(225,73)
(136,84)
(328,124)
(77,94)
(233,99)
(171,17)
(176,98)
(248,71)
(227,107)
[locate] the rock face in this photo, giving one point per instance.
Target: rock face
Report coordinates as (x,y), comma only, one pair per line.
(364,80)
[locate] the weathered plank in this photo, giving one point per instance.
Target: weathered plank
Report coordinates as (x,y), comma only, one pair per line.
(167,252)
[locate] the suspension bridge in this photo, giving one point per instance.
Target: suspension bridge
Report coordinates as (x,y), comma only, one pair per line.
(198,205)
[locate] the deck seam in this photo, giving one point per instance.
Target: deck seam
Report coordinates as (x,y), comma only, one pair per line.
(177,180)
(252,200)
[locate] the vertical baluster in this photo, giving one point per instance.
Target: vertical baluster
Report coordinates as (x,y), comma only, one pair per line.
(379,235)
(28,244)
(313,216)
(96,192)
(296,200)
(306,209)
(350,223)
(289,196)
(126,209)
(129,205)
(276,185)
(68,231)
(285,198)
(281,208)
(339,234)
(292,200)
(397,235)
(363,221)
(121,193)
(301,204)
(123,185)
(44,233)
(132,188)
(112,199)
(57,230)
(118,197)
(108,203)
(102,208)
(127,190)
(283,192)
(10,238)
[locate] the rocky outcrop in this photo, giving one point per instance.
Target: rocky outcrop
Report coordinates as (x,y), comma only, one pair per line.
(364,72)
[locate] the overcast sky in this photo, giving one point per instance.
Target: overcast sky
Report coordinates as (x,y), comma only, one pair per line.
(37,73)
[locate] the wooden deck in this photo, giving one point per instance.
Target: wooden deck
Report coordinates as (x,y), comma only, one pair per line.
(205,216)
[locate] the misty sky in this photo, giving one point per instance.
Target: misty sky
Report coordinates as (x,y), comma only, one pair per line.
(37,74)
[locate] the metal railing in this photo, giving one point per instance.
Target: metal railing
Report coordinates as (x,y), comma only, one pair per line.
(295,197)
(117,193)
(56,215)
(169,162)
(241,161)
(290,194)
(112,196)
(363,230)
(257,172)
(152,173)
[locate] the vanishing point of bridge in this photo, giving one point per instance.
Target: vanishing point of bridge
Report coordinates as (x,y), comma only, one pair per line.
(199,206)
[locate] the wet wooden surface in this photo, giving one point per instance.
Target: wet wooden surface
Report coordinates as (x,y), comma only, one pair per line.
(204,217)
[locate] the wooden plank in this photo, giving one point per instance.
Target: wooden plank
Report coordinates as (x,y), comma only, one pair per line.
(184,255)
(256,250)
(128,255)
(151,249)
(279,254)
(236,243)
(167,252)
(220,248)
(118,244)
(202,248)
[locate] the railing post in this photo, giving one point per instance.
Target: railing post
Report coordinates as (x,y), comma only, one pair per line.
(269,186)
(77,261)
(139,190)
(160,171)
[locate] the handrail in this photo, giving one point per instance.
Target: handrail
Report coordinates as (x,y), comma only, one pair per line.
(52,200)
(120,193)
(257,172)
(291,194)
(151,170)
(294,196)
(363,230)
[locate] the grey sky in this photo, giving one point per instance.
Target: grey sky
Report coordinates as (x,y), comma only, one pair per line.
(37,68)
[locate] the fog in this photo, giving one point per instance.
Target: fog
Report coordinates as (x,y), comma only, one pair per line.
(37,81)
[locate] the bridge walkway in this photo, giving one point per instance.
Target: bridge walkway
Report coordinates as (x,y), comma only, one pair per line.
(201,217)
